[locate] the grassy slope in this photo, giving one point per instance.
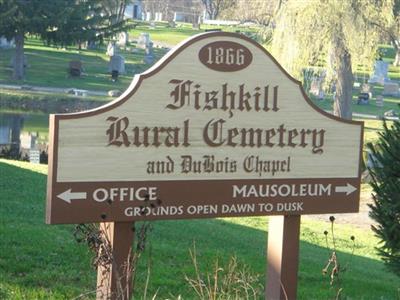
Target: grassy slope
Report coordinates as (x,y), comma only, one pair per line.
(39,261)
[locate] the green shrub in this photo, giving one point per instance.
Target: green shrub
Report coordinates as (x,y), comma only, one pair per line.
(385,209)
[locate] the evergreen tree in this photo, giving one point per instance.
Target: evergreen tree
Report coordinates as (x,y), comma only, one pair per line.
(385,209)
(19,17)
(87,20)
(61,22)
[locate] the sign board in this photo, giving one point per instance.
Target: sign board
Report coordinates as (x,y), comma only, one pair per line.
(216,128)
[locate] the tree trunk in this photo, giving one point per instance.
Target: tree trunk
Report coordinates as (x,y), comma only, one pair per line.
(19,71)
(397,58)
(344,83)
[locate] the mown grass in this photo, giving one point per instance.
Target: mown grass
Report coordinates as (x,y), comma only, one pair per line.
(39,261)
(48,66)
(390,103)
(167,35)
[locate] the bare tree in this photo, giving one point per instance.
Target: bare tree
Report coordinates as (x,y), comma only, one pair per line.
(215,7)
(115,8)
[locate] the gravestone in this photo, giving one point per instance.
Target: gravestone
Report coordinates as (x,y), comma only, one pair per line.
(117,63)
(143,40)
(6,44)
(379,101)
(380,74)
(316,86)
(75,68)
(148,16)
(158,17)
(112,49)
(391,89)
(152,25)
(92,45)
(123,39)
(391,115)
(196,26)
(114,93)
(366,88)
(363,99)
(80,93)
(34,156)
(149,54)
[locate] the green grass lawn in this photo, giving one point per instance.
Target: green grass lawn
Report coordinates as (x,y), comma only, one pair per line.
(390,103)
(39,261)
(48,67)
(172,36)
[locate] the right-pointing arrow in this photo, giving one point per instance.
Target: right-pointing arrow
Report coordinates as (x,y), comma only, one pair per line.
(348,189)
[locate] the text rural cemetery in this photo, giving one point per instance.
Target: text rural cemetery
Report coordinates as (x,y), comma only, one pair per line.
(216,128)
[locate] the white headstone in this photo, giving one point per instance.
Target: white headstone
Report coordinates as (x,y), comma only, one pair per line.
(380,74)
(123,39)
(111,49)
(143,40)
(148,16)
(158,17)
(117,63)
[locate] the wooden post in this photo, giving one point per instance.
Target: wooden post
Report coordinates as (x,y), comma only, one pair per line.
(283,257)
(114,280)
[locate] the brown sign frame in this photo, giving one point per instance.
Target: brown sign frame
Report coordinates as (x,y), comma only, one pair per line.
(208,192)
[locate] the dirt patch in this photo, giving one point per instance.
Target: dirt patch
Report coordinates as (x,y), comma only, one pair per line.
(360,219)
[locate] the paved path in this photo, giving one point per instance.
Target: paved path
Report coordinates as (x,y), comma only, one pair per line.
(49,89)
(103,93)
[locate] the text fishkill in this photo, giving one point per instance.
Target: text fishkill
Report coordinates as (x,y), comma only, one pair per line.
(216,132)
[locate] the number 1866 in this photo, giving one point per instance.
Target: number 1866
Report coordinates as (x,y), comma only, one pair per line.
(227,56)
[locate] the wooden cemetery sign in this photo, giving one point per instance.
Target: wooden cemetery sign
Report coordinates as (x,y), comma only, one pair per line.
(217,128)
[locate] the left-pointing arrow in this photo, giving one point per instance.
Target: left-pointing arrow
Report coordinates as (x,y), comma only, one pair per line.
(68,195)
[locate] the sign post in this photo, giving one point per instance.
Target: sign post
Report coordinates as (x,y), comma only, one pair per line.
(114,277)
(282,257)
(217,128)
